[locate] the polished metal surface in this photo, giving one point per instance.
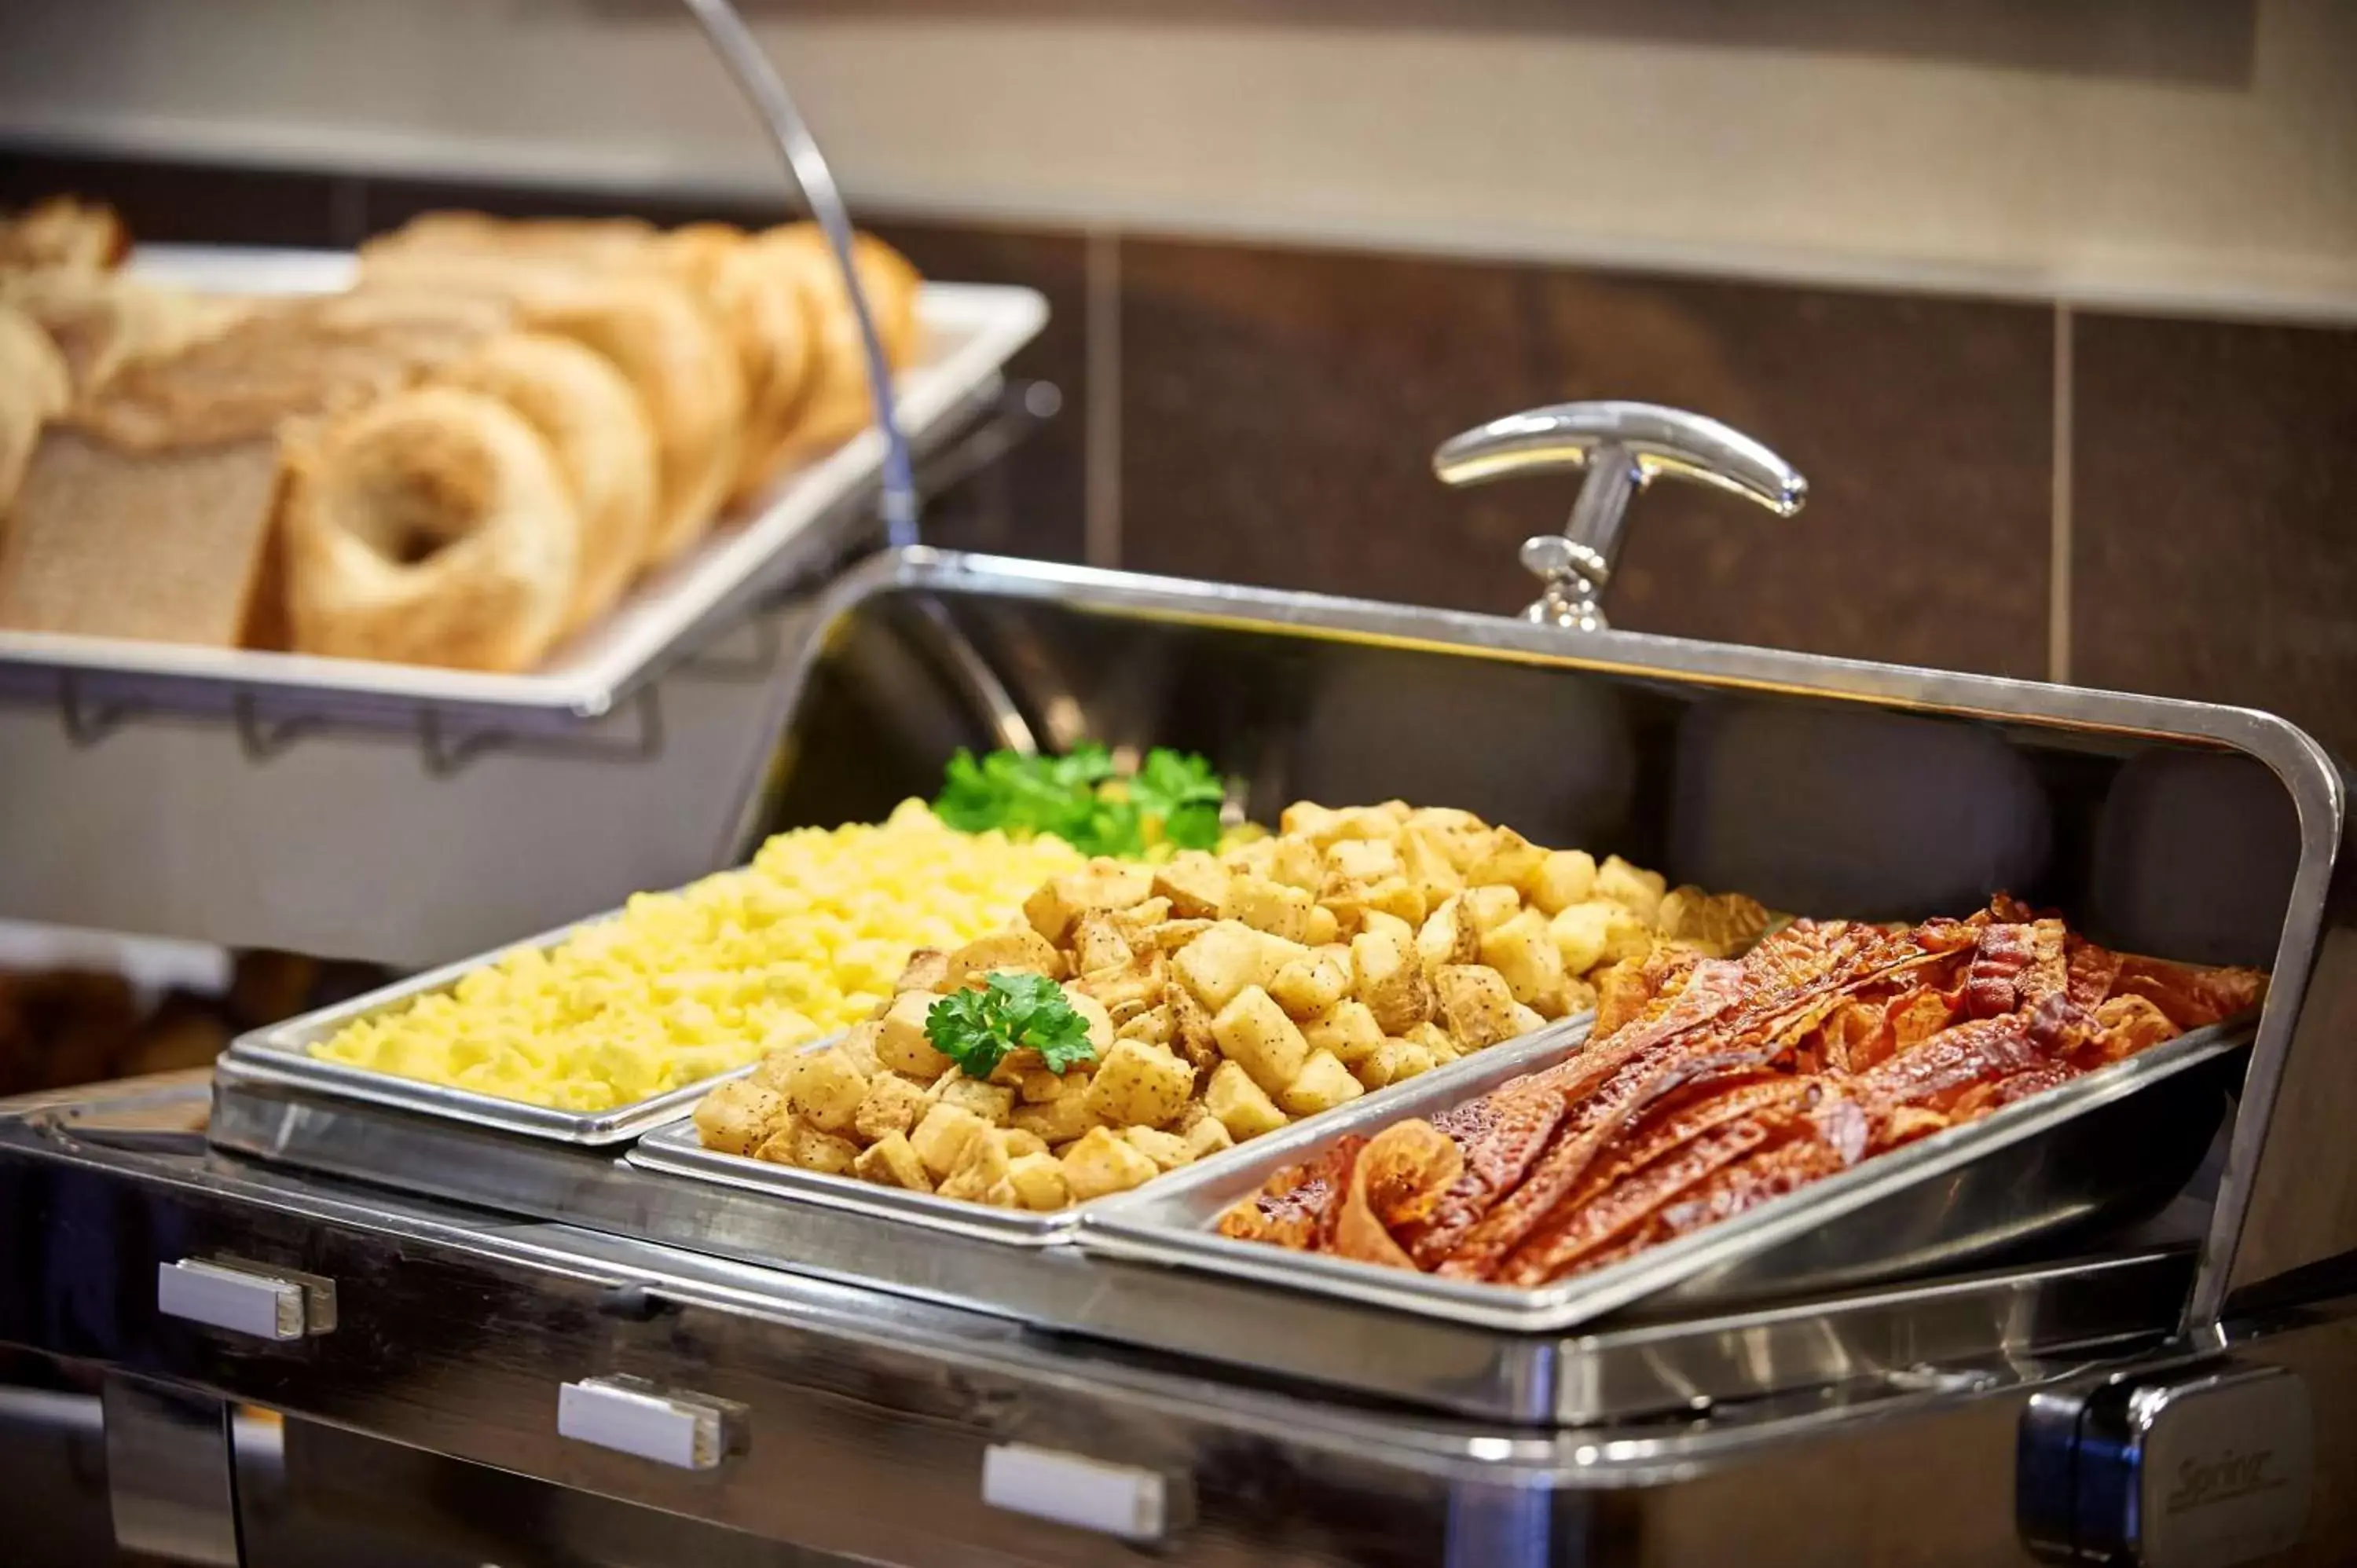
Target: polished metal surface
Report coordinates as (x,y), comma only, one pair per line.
(1823,786)
(742,54)
(168,1471)
(1622,447)
(281,1054)
(676,1149)
(2042,1167)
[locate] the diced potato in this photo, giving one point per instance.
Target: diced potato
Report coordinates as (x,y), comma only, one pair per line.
(1634,889)
(1487,908)
(1379,923)
(1345,899)
(858,1044)
(1139,1083)
(1240,1105)
(1169,935)
(1397,897)
(1323,1083)
(1364,860)
(982,1167)
(1718,927)
(1524,1020)
(942,1139)
(1167,1150)
(1038,1181)
(1566,876)
(1221,963)
(1395,1062)
(891,1160)
(892,1104)
(1381,822)
(1308,986)
(1133,923)
(1256,858)
(1128,986)
(1296,863)
(775,1070)
(1476,1004)
(901,1043)
(1095,942)
(800,1144)
(1324,926)
(1254,1033)
(1436,1042)
(1191,1028)
(1513,862)
(1100,884)
(993,1103)
(1057,1121)
(1100,1021)
(1270,906)
(1019,1143)
(1347,1031)
(1523,950)
(739,1116)
(1039,1086)
(1195,883)
(1153,1026)
(1015,951)
(826,1090)
(1463,836)
(928,969)
(1423,859)
(1102,1163)
(1597,932)
(1208,1137)
(1446,936)
(1389,980)
(1578,996)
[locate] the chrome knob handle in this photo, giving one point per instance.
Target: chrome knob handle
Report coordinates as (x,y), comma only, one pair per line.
(1622,448)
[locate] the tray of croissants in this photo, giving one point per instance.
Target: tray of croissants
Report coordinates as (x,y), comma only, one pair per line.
(512,462)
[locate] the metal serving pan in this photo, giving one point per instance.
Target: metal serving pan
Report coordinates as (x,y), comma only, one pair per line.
(281,1054)
(676,1151)
(2048,1163)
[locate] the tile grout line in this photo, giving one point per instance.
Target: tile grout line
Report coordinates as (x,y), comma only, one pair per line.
(1101,533)
(2058,569)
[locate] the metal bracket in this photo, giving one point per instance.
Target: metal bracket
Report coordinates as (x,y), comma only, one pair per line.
(447,752)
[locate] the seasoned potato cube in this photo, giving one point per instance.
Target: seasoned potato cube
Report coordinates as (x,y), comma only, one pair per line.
(1381,924)
(1167,1150)
(928,969)
(1039,1086)
(775,1070)
(1397,897)
(1446,936)
(892,1104)
(1015,951)
(1476,1006)
(1128,986)
(1100,884)
(1395,1061)
(901,1043)
(1100,1021)
(1436,1042)
(1566,876)
(1254,1033)
(797,1143)
(1139,1083)
(1325,926)
(1597,932)
(1345,899)
(1524,1020)
(1308,986)
(1240,1105)
(1634,889)
(826,1090)
(1487,908)
(1523,950)
(1208,1137)
(1133,923)
(1305,819)
(942,1139)
(1270,906)
(1717,927)
(1364,860)
(1191,1028)
(1296,863)
(891,1160)
(739,1116)
(1513,862)
(1578,996)
(1103,1163)
(1153,1026)
(1323,1083)
(1389,980)
(1038,1181)
(1096,944)
(1347,1031)
(1423,859)
(1463,836)
(1221,963)
(858,1044)
(1019,1143)
(1195,883)
(1057,1121)
(1169,935)
(991,1101)
(983,1167)
(1383,821)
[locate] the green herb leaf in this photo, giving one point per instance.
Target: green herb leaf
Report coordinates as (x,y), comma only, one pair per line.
(1079,799)
(976,1029)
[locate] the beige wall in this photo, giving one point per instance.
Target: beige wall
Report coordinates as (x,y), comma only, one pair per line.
(2231,186)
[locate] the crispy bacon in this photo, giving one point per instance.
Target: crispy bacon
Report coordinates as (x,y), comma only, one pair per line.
(1723,1084)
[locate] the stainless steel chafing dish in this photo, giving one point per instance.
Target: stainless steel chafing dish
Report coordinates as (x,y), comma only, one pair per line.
(588,1336)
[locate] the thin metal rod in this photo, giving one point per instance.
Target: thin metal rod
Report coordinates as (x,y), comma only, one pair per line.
(742,53)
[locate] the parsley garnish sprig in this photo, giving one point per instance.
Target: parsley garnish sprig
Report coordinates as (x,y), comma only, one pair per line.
(1013,1011)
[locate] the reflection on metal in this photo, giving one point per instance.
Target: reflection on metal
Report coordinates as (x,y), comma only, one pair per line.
(1622,447)
(168,1474)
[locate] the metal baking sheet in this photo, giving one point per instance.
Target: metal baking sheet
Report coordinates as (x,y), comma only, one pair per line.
(676,1151)
(282,1054)
(970,331)
(2048,1163)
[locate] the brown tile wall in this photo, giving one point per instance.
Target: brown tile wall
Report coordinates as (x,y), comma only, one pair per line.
(1275,410)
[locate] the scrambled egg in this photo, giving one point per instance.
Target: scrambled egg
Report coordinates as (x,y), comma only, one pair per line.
(679,987)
